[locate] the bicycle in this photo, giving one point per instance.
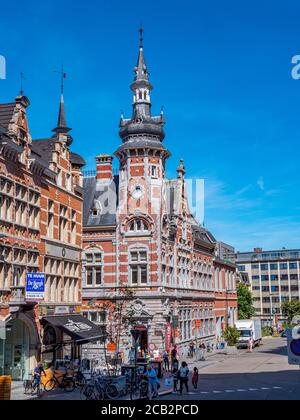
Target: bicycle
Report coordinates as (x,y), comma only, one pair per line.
(79,379)
(97,389)
(31,386)
(67,383)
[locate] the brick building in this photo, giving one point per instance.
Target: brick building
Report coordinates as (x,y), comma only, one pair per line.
(139,233)
(40,231)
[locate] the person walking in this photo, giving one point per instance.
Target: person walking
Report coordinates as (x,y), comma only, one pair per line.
(184,377)
(195,378)
(174,353)
(152,380)
(175,375)
(250,345)
(166,361)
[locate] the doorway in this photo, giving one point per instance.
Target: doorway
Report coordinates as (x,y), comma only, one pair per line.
(16,352)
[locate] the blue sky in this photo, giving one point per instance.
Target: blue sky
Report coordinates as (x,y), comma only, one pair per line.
(222,70)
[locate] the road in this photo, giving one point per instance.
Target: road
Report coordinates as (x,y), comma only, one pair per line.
(261,375)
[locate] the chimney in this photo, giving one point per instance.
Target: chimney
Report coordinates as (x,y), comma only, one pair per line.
(257,250)
(104,171)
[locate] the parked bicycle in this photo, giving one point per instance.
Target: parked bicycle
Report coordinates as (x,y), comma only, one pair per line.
(79,379)
(65,382)
(99,389)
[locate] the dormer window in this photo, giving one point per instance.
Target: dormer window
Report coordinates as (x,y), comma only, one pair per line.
(95,212)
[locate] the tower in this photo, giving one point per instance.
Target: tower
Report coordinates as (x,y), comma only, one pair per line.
(142,155)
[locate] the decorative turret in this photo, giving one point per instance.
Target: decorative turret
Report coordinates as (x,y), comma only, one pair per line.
(142,130)
(181,169)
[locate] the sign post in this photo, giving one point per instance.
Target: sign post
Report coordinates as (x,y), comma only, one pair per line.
(35,286)
(293,343)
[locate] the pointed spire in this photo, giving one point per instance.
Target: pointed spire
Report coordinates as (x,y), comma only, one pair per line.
(141,73)
(62,127)
(181,169)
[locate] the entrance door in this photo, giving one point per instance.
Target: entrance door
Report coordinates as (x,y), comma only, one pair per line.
(16,355)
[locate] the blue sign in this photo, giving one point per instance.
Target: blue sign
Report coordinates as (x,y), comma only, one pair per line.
(293,345)
(35,286)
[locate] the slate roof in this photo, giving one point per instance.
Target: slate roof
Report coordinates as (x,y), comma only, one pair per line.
(44,147)
(102,197)
(6,114)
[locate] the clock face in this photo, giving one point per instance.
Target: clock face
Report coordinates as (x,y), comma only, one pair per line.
(137,192)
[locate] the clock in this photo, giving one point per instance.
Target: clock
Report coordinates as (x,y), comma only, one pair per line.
(137,192)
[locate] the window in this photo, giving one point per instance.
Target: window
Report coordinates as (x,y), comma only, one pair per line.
(264,267)
(93,263)
(255,266)
(255,277)
(264,277)
(138,268)
(293,265)
(283,266)
(138,225)
(241,267)
(63,224)
(154,171)
(274,277)
(50,219)
(274,266)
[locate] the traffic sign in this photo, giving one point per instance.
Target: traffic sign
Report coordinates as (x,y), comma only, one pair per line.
(293,343)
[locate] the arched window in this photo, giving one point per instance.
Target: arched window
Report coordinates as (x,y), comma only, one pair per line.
(138,225)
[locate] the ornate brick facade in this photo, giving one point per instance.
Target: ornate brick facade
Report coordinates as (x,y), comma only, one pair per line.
(40,231)
(140,234)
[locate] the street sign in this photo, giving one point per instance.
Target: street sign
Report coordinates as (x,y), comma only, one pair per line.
(35,286)
(293,343)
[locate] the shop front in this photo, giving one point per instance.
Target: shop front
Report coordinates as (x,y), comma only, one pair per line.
(19,345)
(64,336)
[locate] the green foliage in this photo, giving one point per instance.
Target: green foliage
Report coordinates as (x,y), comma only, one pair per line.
(291,309)
(245,302)
(231,336)
(266,331)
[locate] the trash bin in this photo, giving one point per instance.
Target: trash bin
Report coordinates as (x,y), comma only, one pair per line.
(5,388)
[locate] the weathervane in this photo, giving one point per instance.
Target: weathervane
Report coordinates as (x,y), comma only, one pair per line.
(141,31)
(63,76)
(22,78)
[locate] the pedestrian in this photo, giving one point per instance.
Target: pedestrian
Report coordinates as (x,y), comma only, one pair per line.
(152,380)
(174,355)
(166,360)
(184,377)
(191,349)
(37,375)
(132,355)
(175,375)
(195,378)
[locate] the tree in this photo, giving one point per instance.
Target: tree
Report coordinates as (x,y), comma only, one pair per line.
(291,309)
(245,302)
(231,336)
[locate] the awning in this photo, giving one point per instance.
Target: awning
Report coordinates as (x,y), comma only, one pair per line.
(79,328)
